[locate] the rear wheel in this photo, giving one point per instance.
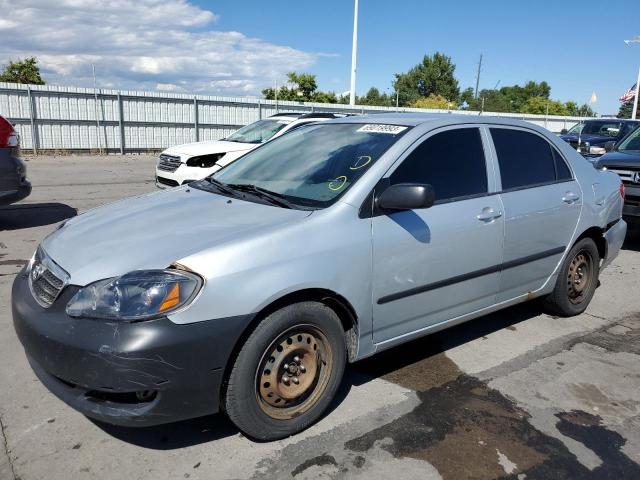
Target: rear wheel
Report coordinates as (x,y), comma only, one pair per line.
(287,372)
(577,280)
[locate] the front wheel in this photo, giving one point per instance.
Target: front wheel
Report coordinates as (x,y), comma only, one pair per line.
(577,280)
(287,372)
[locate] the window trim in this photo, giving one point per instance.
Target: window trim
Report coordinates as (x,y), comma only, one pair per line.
(551,145)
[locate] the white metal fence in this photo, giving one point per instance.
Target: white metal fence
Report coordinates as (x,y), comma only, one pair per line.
(81,119)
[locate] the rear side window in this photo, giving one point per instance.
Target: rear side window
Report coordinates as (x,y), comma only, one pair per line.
(562,171)
(525,159)
(452,162)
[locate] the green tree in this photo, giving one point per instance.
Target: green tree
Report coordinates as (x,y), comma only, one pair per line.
(491,101)
(626,109)
(576,110)
(544,106)
(302,87)
(22,71)
(374,97)
(467,96)
(434,101)
(433,76)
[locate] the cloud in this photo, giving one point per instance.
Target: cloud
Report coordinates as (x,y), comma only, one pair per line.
(142,44)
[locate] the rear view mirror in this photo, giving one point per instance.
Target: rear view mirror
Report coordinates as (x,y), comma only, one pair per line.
(563,131)
(610,145)
(407,196)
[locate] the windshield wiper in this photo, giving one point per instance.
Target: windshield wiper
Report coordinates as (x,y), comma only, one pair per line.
(273,197)
(220,186)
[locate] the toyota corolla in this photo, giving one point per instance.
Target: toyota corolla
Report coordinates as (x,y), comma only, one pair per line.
(248,292)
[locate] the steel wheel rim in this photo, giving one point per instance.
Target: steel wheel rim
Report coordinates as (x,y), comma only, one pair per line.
(293,372)
(580,276)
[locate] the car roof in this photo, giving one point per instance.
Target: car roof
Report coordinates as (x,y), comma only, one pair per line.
(413,119)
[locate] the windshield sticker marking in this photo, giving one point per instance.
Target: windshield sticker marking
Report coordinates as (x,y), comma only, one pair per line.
(379,128)
(338,183)
(361,161)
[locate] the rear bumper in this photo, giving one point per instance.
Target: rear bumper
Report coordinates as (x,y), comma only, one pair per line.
(22,190)
(98,367)
(615,238)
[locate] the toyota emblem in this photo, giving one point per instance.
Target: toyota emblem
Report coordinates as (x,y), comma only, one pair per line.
(37,271)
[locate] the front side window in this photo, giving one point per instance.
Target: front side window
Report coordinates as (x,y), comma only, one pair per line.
(315,165)
(630,144)
(525,159)
(452,162)
(258,132)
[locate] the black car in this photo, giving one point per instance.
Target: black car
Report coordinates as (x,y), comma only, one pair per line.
(624,160)
(13,171)
(593,135)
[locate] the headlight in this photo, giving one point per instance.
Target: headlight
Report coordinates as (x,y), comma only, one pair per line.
(597,150)
(139,295)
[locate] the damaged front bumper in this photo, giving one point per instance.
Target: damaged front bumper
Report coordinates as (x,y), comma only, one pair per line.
(130,374)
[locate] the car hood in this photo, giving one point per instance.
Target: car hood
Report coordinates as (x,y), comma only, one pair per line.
(155,230)
(592,139)
(619,159)
(189,150)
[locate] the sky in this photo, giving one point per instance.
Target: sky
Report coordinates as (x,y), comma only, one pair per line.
(237,48)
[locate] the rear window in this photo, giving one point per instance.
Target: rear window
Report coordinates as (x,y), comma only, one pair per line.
(525,159)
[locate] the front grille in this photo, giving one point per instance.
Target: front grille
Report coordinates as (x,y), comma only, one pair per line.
(631,200)
(46,279)
(627,176)
(168,163)
(167,181)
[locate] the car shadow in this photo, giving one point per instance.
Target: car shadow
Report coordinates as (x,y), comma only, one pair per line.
(29,215)
(216,427)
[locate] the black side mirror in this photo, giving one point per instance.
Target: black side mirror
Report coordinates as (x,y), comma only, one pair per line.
(407,196)
(563,131)
(610,145)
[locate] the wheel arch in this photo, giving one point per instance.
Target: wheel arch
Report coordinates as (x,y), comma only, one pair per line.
(597,235)
(340,305)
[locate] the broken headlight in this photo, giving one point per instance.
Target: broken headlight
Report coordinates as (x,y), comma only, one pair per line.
(138,295)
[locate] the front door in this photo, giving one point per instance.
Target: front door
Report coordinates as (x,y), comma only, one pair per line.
(439,263)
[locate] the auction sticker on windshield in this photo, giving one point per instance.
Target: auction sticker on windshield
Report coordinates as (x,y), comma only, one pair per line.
(379,128)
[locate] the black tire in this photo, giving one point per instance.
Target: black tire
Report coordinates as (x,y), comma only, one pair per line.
(577,280)
(305,332)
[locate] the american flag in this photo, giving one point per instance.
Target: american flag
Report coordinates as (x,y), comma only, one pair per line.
(628,95)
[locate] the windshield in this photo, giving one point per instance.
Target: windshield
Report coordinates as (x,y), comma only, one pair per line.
(258,132)
(631,143)
(314,165)
(607,129)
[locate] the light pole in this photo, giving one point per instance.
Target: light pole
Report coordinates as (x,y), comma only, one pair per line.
(635,39)
(354,53)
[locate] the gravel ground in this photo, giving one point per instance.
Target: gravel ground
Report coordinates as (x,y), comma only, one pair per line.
(517,394)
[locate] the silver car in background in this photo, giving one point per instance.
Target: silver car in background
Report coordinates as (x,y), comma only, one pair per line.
(248,291)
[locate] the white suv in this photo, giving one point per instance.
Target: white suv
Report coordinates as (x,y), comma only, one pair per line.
(195,161)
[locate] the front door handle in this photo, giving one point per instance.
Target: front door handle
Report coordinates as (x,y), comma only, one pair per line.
(570,197)
(488,214)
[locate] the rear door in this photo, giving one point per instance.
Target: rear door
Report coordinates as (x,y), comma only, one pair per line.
(542,204)
(435,264)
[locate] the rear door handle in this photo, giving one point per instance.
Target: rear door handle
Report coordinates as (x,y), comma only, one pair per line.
(570,197)
(488,214)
